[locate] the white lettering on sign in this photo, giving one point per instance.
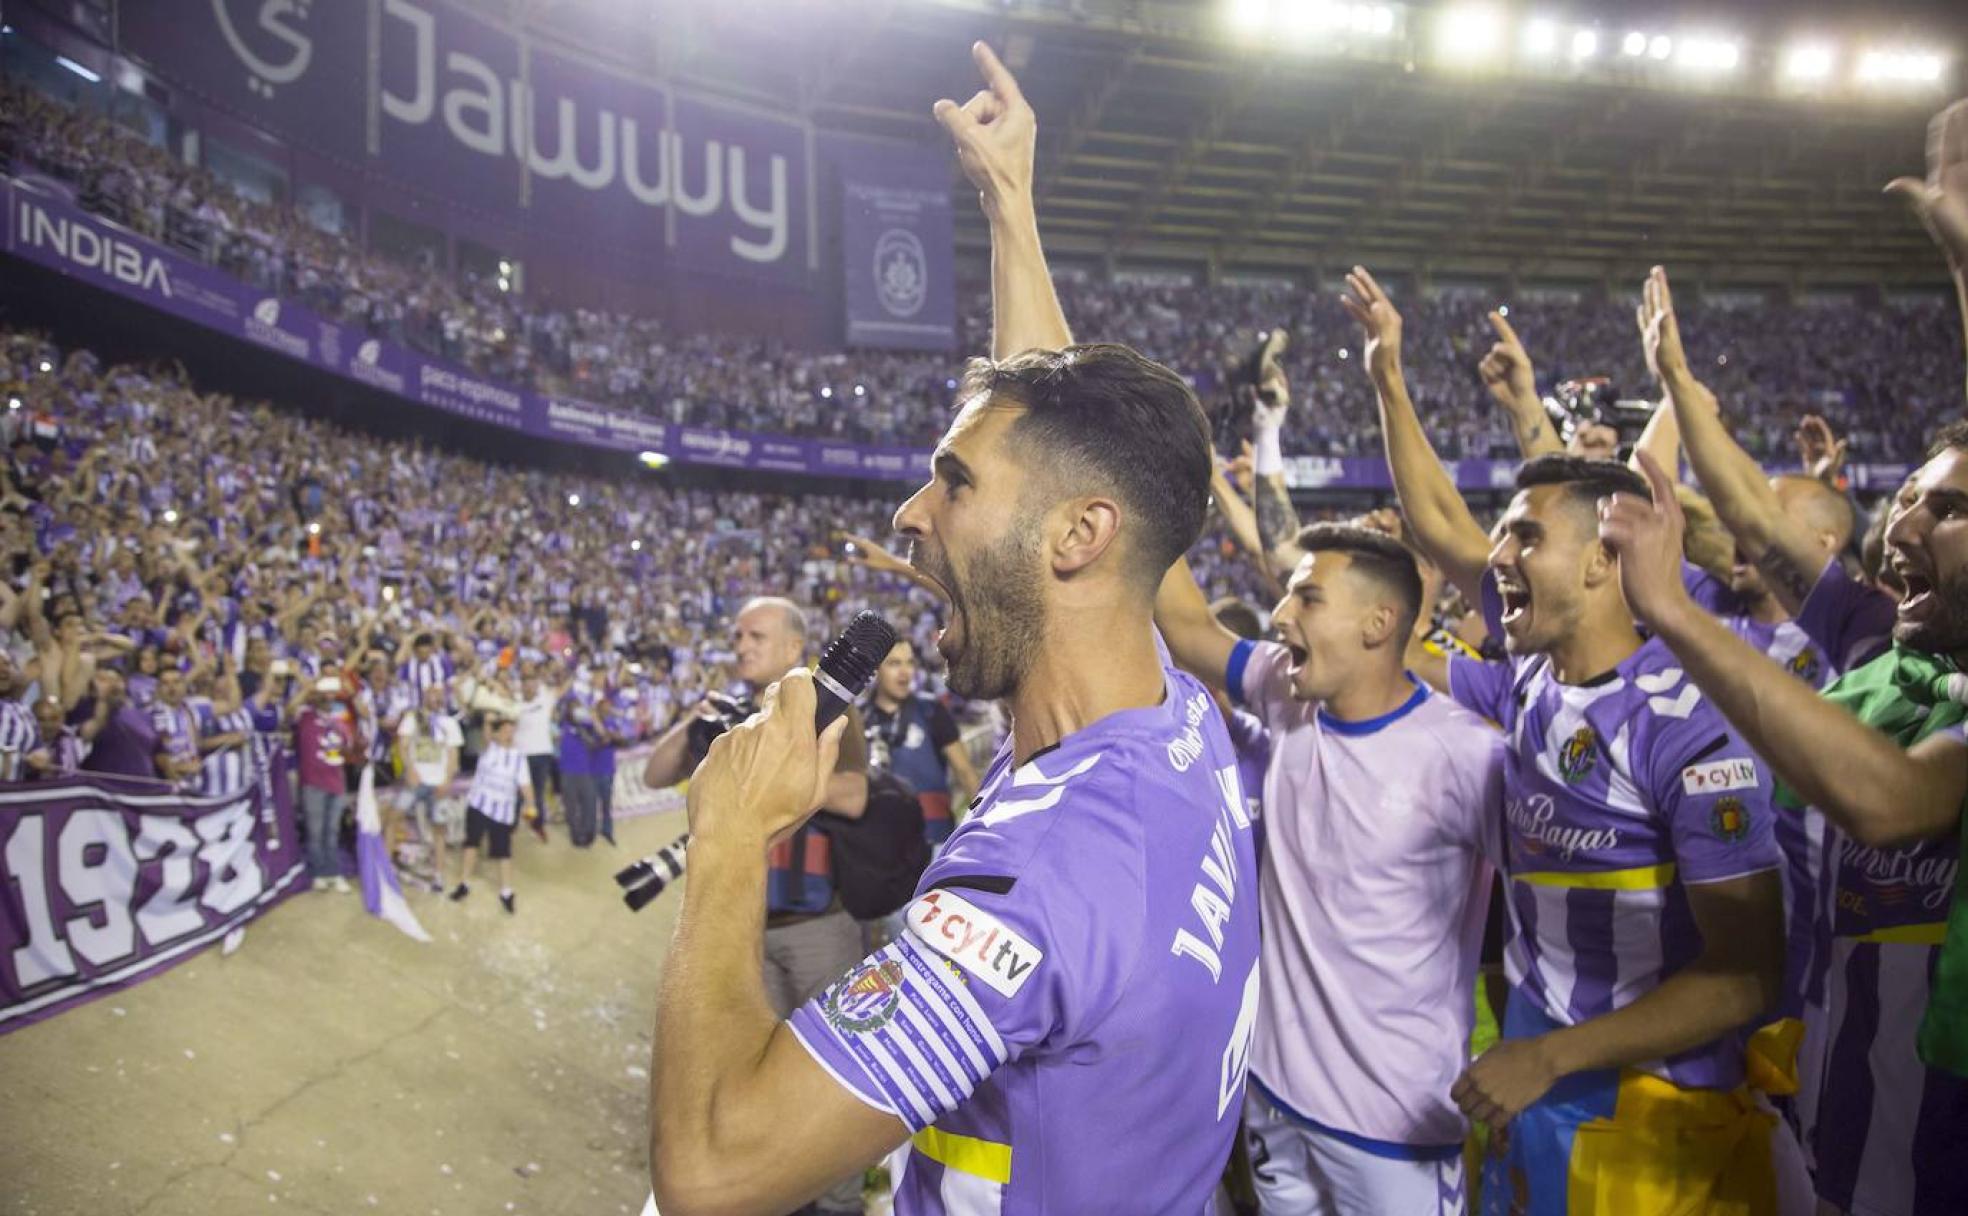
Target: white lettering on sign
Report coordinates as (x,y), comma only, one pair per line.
(975,940)
(1719,777)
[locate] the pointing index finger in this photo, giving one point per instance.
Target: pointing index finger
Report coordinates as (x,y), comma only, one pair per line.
(1502,325)
(996,74)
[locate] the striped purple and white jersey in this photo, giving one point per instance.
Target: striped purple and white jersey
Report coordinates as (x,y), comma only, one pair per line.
(1065,1022)
(420,674)
(229,770)
(1619,795)
(495,786)
(177,732)
(19,735)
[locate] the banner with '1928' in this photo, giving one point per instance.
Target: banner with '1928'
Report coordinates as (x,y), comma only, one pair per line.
(105,883)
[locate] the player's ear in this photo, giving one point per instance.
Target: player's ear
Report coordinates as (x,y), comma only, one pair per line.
(1378,625)
(1080,530)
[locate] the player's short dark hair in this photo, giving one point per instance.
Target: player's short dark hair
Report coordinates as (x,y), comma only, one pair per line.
(1952,437)
(1376,555)
(1103,417)
(1238,617)
(1584,479)
(422,639)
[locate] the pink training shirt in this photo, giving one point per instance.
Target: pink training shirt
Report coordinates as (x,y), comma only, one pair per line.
(1374,889)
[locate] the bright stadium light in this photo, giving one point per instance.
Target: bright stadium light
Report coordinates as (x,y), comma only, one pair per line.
(1469,32)
(1809,61)
(1376,19)
(170,515)
(13,403)
(85,73)
(1250,16)
(652,460)
(573,500)
(1660,46)
(46,367)
(1709,54)
(1634,44)
(1541,37)
(635,546)
(1901,67)
(826,392)
(1585,44)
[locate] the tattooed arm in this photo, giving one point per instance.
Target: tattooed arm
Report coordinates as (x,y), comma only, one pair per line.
(1277,523)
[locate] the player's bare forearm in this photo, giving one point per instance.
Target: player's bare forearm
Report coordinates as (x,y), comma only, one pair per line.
(1739,490)
(1694,1006)
(1242,522)
(1025,312)
(1438,519)
(1533,429)
(1862,780)
(1277,525)
(1661,439)
(1195,641)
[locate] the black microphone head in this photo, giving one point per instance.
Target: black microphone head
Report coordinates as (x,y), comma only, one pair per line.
(851,658)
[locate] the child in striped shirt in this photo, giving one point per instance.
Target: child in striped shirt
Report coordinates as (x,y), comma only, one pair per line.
(500,789)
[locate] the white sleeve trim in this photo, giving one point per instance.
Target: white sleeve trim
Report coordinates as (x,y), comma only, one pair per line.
(820,1059)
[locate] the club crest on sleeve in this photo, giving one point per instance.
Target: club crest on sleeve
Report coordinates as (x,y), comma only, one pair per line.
(866,998)
(1576,756)
(1804,665)
(974,941)
(1729,819)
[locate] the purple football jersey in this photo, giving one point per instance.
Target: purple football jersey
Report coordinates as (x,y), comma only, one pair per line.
(1065,1024)
(1619,794)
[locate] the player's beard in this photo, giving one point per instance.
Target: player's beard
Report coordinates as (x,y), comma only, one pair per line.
(1000,611)
(1945,630)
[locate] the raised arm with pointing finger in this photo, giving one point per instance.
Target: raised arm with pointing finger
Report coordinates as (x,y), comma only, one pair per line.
(996,135)
(1941,199)
(1512,382)
(1439,521)
(1784,548)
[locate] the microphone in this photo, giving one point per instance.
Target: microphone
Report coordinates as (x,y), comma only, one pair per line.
(846,669)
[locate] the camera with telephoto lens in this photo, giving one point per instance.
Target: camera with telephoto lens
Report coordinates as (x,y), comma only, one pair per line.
(1593,401)
(726,712)
(1243,390)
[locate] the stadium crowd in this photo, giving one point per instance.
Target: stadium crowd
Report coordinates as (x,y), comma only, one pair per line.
(1871,371)
(1727,898)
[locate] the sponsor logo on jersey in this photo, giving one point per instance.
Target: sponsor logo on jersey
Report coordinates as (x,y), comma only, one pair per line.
(866,998)
(974,940)
(1719,776)
(1729,819)
(1576,756)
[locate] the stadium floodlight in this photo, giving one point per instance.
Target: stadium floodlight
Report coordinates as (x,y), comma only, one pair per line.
(13,403)
(1634,44)
(87,74)
(1469,32)
(826,392)
(635,546)
(1901,67)
(1809,61)
(1375,19)
(860,390)
(1250,16)
(46,367)
(573,500)
(1660,46)
(1708,54)
(1585,44)
(1541,37)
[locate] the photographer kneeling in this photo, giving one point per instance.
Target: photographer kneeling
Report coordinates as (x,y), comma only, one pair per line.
(810,940)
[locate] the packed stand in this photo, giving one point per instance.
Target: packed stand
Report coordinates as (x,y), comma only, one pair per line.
(1878,374)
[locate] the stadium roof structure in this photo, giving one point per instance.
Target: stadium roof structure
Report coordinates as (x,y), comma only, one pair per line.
(1166,141)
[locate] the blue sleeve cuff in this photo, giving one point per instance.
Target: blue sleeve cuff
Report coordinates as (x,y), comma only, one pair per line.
(1233,672)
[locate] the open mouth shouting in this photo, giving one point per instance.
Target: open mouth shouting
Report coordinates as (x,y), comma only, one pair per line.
(1516,601)
(1920,601)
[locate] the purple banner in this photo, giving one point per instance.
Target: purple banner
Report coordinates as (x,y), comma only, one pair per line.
(456,106)
(738,189)
(283,68)
(898,251)
(108,882)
